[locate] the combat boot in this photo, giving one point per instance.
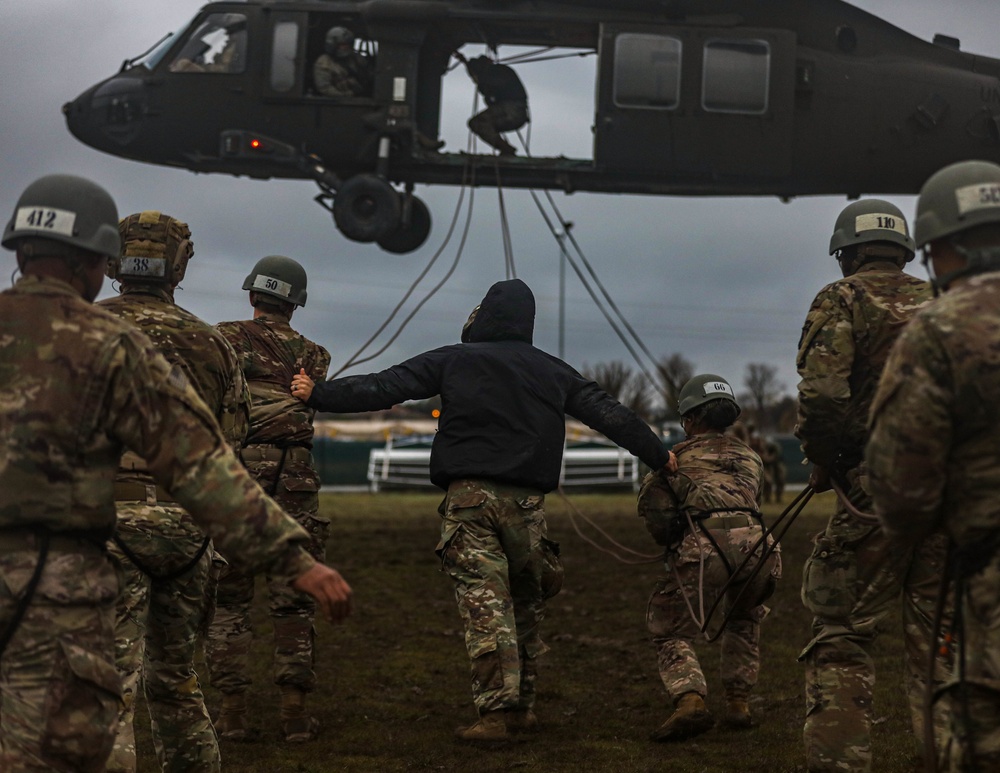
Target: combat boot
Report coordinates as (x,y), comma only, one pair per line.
(232,722)
(690,718)
(737,713)
(491,728)
(297,726)
(522,721)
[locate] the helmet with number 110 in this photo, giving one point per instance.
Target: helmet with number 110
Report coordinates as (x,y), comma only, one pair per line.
(279,277)
(871,220)
(704,389)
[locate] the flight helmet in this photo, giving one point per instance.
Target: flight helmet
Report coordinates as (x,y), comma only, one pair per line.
(156,249)
(67,209)
(703,389)
(279,277)
(871,220)
(339,40)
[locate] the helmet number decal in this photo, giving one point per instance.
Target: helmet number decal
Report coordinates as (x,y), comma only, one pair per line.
(718,387)
(880,221)
(140,266)
(973,197)
(272,285)
(57,221)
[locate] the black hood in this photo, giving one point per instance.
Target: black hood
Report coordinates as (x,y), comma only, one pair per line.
(507,313)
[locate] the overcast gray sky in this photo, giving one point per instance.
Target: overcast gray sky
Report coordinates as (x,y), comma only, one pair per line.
(724,281)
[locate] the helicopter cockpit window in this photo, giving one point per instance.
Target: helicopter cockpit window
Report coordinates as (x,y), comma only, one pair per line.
(218,44)
(647,71)
(735,76)
(284,47)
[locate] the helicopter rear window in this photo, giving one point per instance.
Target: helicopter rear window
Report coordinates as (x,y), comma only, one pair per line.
(647,71)
(218,44)
(735,76)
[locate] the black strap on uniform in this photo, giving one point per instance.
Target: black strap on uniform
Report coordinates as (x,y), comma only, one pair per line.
(29,591)
(167,576)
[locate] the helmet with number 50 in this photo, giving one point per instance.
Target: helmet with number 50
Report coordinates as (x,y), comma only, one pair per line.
(279,277)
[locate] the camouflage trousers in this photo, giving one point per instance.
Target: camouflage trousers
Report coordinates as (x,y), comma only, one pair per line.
(292,613)
(494,547)
(972,704)
(698,574)
(59,691)
(157,625)
(850,583)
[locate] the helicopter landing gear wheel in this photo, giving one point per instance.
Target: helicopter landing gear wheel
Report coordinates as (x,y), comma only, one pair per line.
(366,208)
(411,232)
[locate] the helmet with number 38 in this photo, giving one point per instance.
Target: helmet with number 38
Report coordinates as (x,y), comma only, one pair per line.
(279,277)
(67,209)
(156,249)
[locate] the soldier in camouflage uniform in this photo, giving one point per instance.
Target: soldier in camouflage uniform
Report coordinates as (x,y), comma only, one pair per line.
(340,71)
(166,559)
(934,450)
(278,456)
(853,577)
(497,451)
(78,386)
(707,514)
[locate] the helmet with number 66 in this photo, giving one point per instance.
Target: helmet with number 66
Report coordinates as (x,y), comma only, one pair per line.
(66,209)
(279,277)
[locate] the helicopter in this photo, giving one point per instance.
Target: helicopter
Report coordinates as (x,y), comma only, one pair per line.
(692,97)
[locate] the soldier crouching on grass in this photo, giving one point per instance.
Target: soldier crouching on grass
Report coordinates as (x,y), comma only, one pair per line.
(707,514)
(498,450)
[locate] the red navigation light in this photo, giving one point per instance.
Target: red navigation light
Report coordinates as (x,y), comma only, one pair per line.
(255,144)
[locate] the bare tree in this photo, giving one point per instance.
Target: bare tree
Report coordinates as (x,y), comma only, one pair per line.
(764,391)
(629,387)
(674,371)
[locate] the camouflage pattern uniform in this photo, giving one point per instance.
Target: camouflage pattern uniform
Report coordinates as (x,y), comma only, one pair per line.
(343,77)
(162,608)
(77,386)
(494,546)
(935,463)
(716,472)
(853,578)
(278,457)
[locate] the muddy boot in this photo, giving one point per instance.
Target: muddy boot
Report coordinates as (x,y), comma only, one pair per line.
(737,713)
(297,726)
(522,721)
(491,727)
(690,718)
(232,722)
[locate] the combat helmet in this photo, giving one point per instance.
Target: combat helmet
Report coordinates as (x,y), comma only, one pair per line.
(279,277)
(954,199)
(704,389)
(337,37)
(156,249)
(67,209)
(871,220)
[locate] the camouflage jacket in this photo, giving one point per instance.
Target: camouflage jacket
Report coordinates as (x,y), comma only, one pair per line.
(845,341)
(78,386)
(714,472)
(198,349)
(934,451)
(270,353)
(341,78)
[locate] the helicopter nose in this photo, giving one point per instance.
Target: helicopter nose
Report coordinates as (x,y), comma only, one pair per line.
(108,115)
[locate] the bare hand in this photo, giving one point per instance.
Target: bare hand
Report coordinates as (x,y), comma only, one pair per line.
(671,465)
(302,385)
(819,479)
(331,591)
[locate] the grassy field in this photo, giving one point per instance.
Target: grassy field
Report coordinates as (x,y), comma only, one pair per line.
(394,679)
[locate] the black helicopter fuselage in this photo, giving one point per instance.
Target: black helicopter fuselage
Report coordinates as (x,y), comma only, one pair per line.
(709,97)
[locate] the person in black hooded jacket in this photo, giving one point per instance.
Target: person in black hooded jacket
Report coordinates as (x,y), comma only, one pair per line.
(497,452)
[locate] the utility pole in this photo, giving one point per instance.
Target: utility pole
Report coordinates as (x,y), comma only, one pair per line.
(561,238)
